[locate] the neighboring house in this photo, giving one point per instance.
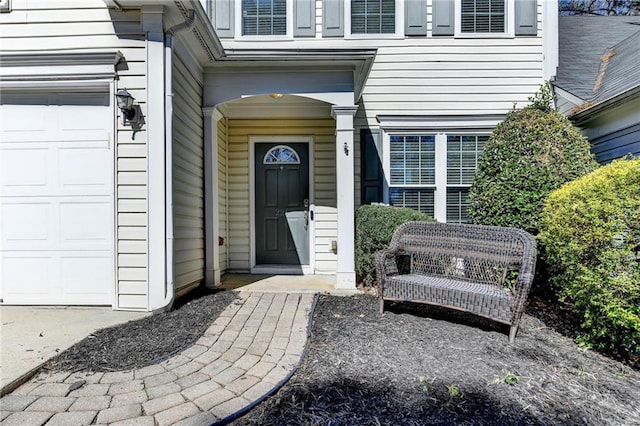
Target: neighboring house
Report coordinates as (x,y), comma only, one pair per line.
(598,81)
(257,128)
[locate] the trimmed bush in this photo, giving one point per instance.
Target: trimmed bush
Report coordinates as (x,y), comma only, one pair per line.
(375,226)
(530,154)
(590,232)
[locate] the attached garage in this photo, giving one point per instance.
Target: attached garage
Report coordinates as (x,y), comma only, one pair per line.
(57,198)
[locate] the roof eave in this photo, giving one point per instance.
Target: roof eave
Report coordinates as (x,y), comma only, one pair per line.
(593,111)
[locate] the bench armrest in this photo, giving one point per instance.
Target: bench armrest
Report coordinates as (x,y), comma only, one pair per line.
(386,265)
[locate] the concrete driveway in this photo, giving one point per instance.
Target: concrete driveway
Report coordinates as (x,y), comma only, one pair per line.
(29,335)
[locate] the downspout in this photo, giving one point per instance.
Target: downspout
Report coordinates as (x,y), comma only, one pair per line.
(168,140)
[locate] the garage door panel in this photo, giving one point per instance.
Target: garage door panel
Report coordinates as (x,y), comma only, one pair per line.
(84,277)
(47,223)
(57,278)
(27,277)
(24,170)
(26,225)
(85,170)
(24,123)
(87,224)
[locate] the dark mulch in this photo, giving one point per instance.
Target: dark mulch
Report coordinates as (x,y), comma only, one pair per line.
(147,341)
(417,365)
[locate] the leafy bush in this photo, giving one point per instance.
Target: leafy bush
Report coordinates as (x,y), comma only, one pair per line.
(375,226)
(590,231)
(530,154)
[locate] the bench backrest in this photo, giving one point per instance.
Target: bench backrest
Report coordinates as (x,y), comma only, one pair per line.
(477,253)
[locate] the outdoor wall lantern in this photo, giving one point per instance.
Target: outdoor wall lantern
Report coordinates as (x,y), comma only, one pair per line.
(130,113)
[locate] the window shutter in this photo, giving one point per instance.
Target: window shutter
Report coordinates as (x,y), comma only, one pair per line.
(415,17)
(443,17)
(304,21)
(333,18)
(526,17)
(223,18)
(372,175)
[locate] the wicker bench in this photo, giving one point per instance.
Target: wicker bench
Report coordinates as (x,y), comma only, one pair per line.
(484,270)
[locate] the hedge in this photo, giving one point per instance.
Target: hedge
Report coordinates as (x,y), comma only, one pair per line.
(375,225)
(531,153)
(590,235)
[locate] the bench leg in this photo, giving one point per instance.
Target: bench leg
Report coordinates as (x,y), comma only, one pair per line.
(381,305)
(512,333)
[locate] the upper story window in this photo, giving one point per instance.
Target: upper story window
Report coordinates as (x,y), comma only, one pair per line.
(264,17)
(373,16)
(483,16)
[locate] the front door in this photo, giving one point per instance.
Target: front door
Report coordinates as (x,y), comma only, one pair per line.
(282,203)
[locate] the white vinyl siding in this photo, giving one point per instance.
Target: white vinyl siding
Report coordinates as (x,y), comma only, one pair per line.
(58,26)
(188,178)
(324,176)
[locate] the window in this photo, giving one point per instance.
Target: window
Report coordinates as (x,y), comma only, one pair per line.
(439,188)
(483,16)
(412,171)
(463,153)
(264,17)
(373,16)
(281,154)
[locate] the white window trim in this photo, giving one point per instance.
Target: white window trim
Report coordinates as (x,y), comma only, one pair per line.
(5,6)
(509,24)
(440,187)
(238,26)
(399,24)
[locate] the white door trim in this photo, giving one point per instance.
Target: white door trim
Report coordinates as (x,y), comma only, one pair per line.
(253,140)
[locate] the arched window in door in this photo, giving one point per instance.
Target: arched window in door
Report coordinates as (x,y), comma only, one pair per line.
(281,154)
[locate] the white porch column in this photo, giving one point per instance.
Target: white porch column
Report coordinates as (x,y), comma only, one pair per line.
(345,194)
(212,220)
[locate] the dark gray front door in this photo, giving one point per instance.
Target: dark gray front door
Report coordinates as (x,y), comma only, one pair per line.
(282,203)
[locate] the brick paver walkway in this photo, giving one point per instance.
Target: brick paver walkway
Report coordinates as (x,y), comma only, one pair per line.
(251,348)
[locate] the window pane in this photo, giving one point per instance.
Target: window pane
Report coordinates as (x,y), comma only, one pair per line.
(264,17)
(417,199)
(457,205)
(463,154)
(483,16)
(412,160)
(373,16)
(281,154)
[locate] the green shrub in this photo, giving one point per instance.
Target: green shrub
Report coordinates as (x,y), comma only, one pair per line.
(375,226)
(590,232)
(530,154)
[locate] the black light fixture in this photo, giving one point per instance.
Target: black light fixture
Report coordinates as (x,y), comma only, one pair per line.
(125,103)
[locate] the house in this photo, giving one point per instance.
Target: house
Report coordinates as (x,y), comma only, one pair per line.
(598,81)
(252,132)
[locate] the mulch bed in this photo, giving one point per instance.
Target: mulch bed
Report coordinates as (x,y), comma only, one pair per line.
(417,365)
(413,365)
(147,341)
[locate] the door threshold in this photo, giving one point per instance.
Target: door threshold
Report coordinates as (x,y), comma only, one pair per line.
(282,270)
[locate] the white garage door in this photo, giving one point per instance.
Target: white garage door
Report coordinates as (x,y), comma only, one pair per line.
(56,195)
